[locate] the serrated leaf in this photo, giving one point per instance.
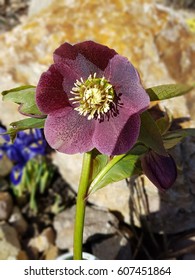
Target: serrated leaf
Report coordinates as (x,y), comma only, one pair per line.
(23,125)
(168,91)
(150,134)
(119,168)
(25,97)
(172,138)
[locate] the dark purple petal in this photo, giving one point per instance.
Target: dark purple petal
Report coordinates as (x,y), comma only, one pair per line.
(96,53)
(160,170)
(69,56)
(117,135)
(126,82)
(68,132)
(50,94)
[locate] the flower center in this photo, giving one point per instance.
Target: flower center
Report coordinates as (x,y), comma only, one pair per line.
(95,96)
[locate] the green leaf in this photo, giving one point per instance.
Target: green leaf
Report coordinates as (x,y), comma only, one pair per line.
(150,134)
(172,138)
(164,123)
(25,97)
(99,161)
(119,168)
(23,125)
(168,91)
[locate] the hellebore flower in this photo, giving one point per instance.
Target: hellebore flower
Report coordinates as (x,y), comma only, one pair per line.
(93,98)
(25,147)
(160,170)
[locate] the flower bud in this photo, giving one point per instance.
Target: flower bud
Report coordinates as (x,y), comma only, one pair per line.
(160,170)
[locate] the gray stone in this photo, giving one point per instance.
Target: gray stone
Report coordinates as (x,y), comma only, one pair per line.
(17,221)
(116,247)
(6,205)
(96,222)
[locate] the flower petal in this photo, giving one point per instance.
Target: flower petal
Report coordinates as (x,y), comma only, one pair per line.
(126,82)
(69,56)
(50,94)
(96,53)
(6,137)
(117,135)
(160,170)
(68,132)
(16,174)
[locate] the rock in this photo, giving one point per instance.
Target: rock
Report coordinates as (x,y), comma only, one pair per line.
(9,242)
(189,257)
(180,4)
(28,48)
(6,205)
(172,211)
(5,166)
(4,186)
(110,197)
(51,253)
(113,248)
(103,224)
(36,6)
(22,256)
(17,221)
(43,241)
(163,52)
(183,247)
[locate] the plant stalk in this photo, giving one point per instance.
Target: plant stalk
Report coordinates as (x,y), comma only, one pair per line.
(80,206)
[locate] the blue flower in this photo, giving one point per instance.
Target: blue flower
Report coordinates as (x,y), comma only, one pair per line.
(25,147)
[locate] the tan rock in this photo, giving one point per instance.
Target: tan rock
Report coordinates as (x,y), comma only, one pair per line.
(43,241)
(22,256)
(9,243)
(17,221)
(5,166)
(51,253)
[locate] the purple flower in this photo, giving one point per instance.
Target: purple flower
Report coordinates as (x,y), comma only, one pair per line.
(25,147)
(93,98)
(160,170)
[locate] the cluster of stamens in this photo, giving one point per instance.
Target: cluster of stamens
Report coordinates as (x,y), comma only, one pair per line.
(93,96)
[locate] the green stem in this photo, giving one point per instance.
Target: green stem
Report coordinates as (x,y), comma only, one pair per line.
(80,206)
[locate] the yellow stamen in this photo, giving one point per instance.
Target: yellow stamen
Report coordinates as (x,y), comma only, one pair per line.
(94,96)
